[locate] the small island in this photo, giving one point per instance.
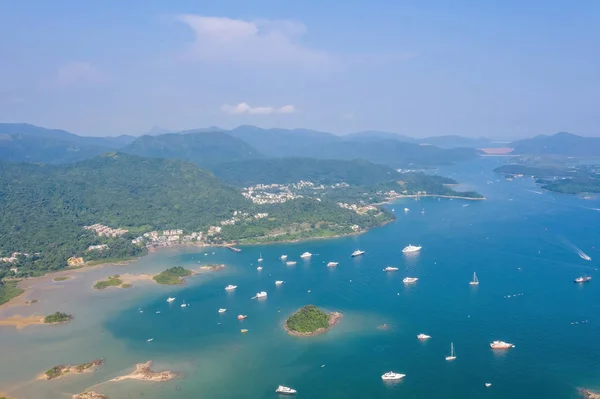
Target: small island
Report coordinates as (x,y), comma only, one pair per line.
(113,281)
(143,372)
(172,276)
(57,318)
(89,395)
(61,278)
(309,321)
(64,369)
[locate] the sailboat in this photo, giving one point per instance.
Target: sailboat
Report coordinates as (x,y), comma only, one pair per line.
(475,280)
(423,211)
(452,354)
(260,259)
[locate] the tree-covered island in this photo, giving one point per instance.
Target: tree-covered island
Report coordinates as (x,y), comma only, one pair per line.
(64,369)
(58,317)
(310,320)
(172,276)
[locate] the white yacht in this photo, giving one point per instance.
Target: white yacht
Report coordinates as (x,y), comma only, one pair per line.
(390,375)
(583,279)
(306,255)
(259,268)
(475,280)
(332,264)
(150,340)
(169,300)
(501,345)
(358,252)
(222,310)
(283,257)
(406,209)
(231,287)
(409,280)
(411,248)
(261,294)
(184,305)
(423,337)
(260,258)
(278,282)
(285,390)
(390,269)
(290,262)
(488,384)
(452,354)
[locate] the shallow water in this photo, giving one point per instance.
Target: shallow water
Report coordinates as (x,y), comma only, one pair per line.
(518,242)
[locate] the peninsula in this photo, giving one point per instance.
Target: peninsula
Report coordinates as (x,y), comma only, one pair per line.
(309,321)
(143,372)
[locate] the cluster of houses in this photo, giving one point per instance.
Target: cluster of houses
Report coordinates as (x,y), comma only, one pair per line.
(13,257)
(360,209)
(239,216)
(166,238)
(105,231)
(97,247)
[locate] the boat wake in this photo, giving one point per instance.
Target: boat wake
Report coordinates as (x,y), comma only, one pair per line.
(534,191)
(593,209)
(578,251)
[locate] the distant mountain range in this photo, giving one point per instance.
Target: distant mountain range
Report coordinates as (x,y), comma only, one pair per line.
(204,149)
(24,142)
(566,144)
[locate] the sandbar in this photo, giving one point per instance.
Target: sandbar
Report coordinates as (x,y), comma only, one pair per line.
(586,393)
(22,321)
(143,372)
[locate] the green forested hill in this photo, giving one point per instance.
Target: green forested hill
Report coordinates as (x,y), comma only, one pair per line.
(43,208)
(204,149)
(291,170)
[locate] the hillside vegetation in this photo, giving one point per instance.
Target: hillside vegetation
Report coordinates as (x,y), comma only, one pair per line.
(43,208)
(291,170)
(204,149)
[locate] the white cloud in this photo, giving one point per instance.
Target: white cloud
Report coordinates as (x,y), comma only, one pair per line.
(258,42)
(75,74)
(244,108)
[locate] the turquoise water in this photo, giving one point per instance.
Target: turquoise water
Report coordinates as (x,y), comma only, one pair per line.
(518,242)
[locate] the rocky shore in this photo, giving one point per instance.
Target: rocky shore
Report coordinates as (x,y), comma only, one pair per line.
(334,319)
(70,369)
(586,393)
(143,372)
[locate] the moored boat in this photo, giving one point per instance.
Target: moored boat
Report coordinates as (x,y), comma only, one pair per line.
(390,269)
(409,280)
(306,255)
(501,345)
(332,264)
(390,375)
(290,262)
(356,253)
(411,248)
(231,287)
(423,337)
(583,279)
(452,353)
(282,390)
(169,300)
(475,280)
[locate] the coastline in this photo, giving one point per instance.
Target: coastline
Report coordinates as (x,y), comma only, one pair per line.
(334,320)
(25,283)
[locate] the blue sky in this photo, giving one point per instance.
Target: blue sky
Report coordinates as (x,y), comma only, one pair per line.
(500,69)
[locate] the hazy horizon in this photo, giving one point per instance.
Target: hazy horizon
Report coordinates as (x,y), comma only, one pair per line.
(502,70)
